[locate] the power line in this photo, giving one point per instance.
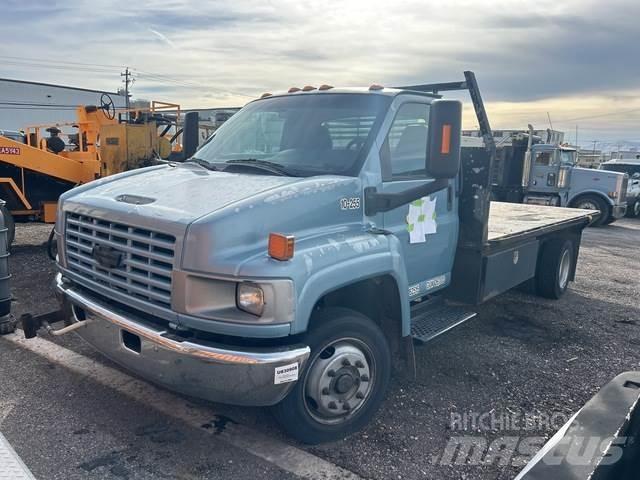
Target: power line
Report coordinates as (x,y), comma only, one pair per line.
(44,60)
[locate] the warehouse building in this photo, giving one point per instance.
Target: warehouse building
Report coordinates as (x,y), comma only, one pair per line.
(25,103)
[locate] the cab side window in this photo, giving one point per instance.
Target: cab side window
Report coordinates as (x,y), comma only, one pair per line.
(547,159)
(405,148)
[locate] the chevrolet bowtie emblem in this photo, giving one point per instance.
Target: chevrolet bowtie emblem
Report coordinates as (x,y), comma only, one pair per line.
(106,257)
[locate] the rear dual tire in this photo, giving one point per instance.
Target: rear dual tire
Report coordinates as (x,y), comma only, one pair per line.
(344,380)
(555,266)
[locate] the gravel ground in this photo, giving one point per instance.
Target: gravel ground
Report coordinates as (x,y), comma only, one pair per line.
(521,357)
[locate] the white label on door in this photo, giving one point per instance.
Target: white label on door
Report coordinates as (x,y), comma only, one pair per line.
(421,219)
(286,374)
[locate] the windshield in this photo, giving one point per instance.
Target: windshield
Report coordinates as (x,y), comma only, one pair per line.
(568,157)
(303,134)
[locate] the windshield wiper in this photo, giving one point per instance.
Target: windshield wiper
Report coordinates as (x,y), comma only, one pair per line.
(202,163)
(266,165)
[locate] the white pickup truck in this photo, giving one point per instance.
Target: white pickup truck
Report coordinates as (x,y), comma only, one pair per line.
(632,168)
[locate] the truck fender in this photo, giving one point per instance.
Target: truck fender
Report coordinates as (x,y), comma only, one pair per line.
(384,261)
(591,192)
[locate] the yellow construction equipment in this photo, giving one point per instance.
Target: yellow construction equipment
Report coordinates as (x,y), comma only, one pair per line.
(35,170)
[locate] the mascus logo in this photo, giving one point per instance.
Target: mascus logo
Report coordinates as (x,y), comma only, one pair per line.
(9,150)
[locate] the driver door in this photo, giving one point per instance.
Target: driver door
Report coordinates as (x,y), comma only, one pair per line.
(426,228)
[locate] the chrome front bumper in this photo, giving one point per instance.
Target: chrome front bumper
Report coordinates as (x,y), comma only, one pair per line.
(245,376)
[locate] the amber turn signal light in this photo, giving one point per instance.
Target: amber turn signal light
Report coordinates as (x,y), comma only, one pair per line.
(445,149)
(281,246)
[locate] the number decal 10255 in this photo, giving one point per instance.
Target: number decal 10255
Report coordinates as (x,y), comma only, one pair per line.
(352,203)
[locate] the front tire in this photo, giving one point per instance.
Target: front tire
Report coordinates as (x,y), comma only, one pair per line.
(555,264)
(344,381)
(593,202)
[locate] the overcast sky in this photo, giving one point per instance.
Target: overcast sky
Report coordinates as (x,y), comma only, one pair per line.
(577,59)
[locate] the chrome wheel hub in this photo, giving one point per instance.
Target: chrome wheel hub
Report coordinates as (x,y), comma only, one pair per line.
(339,381)
(588,206)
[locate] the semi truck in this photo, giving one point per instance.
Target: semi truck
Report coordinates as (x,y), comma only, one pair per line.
(533,171)
(297,258)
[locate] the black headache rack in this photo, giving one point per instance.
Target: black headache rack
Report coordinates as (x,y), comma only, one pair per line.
(484,267)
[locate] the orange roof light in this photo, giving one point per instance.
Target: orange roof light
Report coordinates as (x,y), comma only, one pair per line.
(445,148)
(294,89)
(375,86)
(281,246)
(325,87)
(308,88)
(265,95)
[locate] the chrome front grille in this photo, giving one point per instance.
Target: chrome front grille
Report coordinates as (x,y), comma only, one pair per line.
(142,258)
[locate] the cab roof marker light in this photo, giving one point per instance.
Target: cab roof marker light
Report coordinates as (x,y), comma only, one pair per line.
(293,90)
(266,94)
(375,86)
(325,87)
(308,88)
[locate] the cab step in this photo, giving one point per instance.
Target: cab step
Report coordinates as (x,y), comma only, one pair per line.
(428,320)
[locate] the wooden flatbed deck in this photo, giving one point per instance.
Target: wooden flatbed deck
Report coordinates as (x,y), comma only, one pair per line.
(513,220)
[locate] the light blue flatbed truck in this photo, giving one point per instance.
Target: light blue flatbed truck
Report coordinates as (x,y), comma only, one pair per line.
(299,255)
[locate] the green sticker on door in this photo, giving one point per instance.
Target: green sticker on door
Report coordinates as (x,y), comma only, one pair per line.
(421,220)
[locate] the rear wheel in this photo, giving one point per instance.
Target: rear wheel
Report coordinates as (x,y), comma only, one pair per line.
(344,381)
(555,264)
(593,202)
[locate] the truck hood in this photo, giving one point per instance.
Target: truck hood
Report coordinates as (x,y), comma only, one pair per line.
(601,180)
(202,208)
(600,174)
(172,194)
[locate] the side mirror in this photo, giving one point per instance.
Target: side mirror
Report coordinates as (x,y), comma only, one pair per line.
(443,147)
(190,134)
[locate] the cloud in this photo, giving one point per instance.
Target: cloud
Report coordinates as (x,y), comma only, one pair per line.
(529,56)
(162,37)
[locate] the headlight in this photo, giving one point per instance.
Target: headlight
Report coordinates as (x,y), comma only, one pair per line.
(250,298)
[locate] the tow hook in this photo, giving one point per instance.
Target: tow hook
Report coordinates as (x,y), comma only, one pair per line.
(31,324)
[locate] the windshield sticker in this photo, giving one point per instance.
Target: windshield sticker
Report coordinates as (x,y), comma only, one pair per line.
(421,220)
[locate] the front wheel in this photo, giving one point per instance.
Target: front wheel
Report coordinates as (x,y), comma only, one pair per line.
(344,381)
(593,202)
(634,210)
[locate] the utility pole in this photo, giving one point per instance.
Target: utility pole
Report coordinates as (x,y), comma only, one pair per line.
(128,80)
(577,138)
